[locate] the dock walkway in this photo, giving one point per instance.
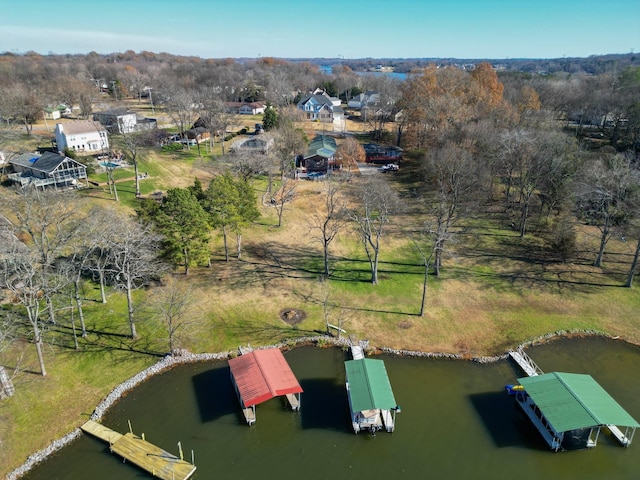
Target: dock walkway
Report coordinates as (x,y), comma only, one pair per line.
(145,455)
(525,362)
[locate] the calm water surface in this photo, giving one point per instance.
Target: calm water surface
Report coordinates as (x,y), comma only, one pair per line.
(456,423)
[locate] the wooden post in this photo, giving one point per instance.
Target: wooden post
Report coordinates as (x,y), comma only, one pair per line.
(130,429)
(180,449)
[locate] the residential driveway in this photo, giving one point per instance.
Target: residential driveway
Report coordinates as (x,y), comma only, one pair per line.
(368,169)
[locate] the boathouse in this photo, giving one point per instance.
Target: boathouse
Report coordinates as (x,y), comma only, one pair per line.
(570,409)
(370,395)
(261,375)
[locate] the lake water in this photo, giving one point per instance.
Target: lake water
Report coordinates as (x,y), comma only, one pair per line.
(456,422)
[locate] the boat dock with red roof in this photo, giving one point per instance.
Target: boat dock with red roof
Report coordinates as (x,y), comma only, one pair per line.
(261,375)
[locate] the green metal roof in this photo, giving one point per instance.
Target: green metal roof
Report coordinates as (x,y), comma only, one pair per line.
(369,385)
(571,401)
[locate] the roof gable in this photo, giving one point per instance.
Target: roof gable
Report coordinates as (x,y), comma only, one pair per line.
(369,385)
(573,401)
(261,375)
(48,162)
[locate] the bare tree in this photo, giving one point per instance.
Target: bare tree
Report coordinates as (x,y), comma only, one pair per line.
(133,259)
(326,224)
(607,197)
(174,303)
(451,177)
(284,195)
(31,284)
(50,219)
(634,266)
(373,206)
(132,146)
(22,102)
(181,105)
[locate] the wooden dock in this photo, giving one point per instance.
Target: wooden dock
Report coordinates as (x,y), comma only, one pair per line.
(149,457)
(525,362)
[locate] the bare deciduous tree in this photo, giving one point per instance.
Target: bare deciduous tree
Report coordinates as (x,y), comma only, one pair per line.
(374,204)
(133,259)
(175,303)
(326,224)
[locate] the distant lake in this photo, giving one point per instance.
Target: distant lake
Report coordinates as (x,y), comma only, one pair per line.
(400,76)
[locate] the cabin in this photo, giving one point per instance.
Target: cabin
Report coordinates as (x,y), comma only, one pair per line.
(321,155)
(261,375)
(570,410)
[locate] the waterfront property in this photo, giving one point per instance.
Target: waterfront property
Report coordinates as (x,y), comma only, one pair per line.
(371,398)
(569,410)
(137,450)
(261,375)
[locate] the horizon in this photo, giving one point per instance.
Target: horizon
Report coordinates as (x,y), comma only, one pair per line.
(461,29)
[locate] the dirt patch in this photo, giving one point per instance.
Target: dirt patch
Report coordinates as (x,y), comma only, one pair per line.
(293,316)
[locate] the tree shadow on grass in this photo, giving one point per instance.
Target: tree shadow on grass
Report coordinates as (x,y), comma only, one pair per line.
(264,333)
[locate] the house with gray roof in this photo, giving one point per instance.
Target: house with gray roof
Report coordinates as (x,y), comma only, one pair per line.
(322,108)
(47,169)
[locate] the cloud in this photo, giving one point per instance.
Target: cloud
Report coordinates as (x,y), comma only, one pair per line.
(21,39)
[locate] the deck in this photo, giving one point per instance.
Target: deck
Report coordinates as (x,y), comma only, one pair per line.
(149,457)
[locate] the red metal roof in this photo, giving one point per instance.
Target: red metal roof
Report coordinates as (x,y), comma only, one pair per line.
(261,375)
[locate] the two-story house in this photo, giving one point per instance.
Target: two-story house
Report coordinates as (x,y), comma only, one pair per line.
(322,107)
(81,136)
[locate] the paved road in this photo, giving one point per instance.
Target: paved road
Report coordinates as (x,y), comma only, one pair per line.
(368,169)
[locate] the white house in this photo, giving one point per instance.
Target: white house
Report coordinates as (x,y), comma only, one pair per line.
(81,136)
(253,108)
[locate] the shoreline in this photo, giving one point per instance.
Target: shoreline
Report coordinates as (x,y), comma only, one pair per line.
(184,357)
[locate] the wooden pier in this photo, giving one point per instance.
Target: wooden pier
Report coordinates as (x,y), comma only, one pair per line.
(149,457)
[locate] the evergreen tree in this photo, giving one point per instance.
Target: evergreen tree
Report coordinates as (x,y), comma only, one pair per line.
(270,118)
(185,227)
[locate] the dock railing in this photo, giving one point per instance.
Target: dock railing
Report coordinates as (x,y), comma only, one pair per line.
(525,362)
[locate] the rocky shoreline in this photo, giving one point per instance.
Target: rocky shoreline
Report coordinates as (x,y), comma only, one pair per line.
(183,357)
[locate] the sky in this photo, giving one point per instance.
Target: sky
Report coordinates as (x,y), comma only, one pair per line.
(465,29)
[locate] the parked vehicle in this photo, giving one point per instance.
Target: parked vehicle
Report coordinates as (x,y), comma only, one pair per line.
(390,167)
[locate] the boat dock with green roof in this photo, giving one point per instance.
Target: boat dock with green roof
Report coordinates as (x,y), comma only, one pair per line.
(371,400)
(570,409)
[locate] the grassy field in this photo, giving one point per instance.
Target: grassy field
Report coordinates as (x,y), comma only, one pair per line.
(495,292)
